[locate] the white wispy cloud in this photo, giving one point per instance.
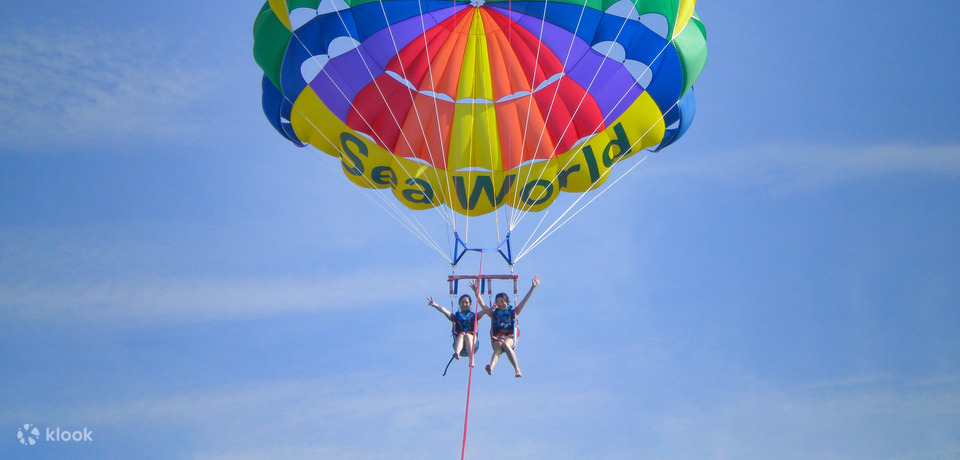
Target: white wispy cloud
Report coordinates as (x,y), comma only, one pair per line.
(364,415)
(795,167)
(372,415)
(125,274)
(199,299)
(856,418)
(62,86)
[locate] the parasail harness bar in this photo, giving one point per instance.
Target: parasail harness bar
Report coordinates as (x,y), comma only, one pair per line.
(460,249)
(485,287)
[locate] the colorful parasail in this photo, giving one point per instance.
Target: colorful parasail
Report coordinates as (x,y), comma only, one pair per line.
(476,105)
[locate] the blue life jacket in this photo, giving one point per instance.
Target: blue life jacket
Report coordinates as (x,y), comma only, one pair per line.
(503,321)
(463,322)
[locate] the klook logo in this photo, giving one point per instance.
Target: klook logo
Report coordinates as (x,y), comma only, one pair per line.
(67,435)
(28,434)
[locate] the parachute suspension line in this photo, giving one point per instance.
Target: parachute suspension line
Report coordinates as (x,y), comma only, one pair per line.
(556,91)
(466,411)
(406,219)
(452,146)
(526,122)
(507,210)
(554,227)
(587,89)
(622,97)
(391,209)
(451,216)
(389,206)
(534,232)
(477,106)
(393,116)
(490,119)
(413,102)
(417,230)
(376,85)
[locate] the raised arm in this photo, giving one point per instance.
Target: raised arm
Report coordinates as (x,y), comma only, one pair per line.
(536,281)
(439,308)
(485,310)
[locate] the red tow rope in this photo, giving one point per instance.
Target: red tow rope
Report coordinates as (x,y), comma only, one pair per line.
(466,414)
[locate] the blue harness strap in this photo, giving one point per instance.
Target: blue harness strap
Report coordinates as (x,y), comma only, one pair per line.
(463,323)
(505,323)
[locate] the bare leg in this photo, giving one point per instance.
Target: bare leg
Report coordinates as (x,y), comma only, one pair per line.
(497,349)
(457,346)
(507,347)
(470,339)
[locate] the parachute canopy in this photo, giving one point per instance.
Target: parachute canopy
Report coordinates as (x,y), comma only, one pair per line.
(475,105)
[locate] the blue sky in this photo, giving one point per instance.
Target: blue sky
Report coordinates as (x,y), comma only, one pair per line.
(781,283)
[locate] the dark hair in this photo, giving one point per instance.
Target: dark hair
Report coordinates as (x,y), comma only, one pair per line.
(504,295)
(467,296)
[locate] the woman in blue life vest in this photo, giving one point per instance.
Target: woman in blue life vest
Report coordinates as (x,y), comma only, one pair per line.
(464,322)
(503,319)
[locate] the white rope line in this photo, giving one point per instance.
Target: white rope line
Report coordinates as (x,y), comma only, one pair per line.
(523,213)
(507,210)
(543,129)
(533,78)
(453,141)
(406,219)
(574,37)
(388,205)
(450,216)
(487,115)
(382,96)
(551,229)
(534,232)
(416,110)
(514,219)
(446,154)
(471,142)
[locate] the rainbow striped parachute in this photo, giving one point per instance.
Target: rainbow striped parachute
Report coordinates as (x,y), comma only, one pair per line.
(475,105)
